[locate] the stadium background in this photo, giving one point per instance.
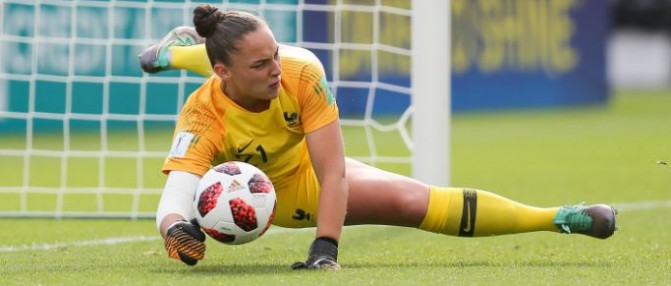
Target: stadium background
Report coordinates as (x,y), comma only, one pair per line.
(510,54)
(78,105)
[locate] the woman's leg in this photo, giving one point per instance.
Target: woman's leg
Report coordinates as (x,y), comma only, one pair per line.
(380,197)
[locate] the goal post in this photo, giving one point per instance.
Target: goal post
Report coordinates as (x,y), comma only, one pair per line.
(431,90)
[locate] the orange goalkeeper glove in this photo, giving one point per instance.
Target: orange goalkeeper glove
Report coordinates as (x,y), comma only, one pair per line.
(184,241)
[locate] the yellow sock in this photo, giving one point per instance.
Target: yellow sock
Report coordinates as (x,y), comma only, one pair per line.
(469,212)
(192,58)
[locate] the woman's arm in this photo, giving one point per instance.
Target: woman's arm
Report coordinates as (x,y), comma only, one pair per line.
(326,150)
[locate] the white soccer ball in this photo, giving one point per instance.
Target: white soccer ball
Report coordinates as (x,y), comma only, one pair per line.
(235,202)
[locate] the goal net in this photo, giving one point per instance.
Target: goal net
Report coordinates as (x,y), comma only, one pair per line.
(85,132)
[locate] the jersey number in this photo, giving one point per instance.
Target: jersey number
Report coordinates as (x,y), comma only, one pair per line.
(248,157)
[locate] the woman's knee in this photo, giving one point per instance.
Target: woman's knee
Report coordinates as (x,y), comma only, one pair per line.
(388,203)
(413,203)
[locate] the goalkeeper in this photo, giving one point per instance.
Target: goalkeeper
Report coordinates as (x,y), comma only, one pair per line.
(270,105)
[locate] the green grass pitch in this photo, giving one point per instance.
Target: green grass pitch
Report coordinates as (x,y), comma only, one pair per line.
(612,154)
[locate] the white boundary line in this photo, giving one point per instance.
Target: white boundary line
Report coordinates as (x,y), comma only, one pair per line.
(109,241)
(50,246)
(649,205)
(642,205)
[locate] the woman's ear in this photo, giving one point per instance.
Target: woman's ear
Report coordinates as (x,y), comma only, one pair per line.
(222,71)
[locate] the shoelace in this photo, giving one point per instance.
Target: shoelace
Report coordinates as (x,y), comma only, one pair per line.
(575,219)
(172,40)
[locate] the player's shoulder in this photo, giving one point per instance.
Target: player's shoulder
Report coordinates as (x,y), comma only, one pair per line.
(298,60)
(201,99)
(200,113)
(297,54)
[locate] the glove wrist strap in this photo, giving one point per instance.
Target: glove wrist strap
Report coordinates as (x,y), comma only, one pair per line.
(172,227)
(324,246)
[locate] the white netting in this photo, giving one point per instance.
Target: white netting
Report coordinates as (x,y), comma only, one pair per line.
(84,131)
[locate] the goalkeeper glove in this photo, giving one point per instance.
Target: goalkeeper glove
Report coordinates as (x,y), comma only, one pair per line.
(184,241)
(323,254)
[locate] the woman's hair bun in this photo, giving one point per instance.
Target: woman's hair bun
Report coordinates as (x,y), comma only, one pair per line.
(205,19)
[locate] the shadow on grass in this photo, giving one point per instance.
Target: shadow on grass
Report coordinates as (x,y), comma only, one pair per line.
(269,268)
(468,264)
(232,269)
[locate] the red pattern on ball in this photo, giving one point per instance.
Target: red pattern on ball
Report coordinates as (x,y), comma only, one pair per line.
(270,220)
(222,237)
(244,215)
(259,183)
(228,168)
(208,198)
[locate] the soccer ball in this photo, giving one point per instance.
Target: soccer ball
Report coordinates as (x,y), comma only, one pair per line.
(235,203)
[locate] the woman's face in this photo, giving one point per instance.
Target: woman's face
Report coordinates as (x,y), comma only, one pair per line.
(253,78)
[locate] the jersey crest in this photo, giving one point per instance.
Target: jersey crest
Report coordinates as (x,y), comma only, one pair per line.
(291,118)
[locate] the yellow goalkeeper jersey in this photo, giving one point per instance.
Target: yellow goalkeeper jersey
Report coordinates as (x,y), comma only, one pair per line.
(212,128)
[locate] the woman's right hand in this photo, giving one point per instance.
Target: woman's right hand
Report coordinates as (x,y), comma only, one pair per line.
(185,241)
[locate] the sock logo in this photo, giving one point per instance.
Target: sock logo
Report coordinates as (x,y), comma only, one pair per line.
(467,226)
